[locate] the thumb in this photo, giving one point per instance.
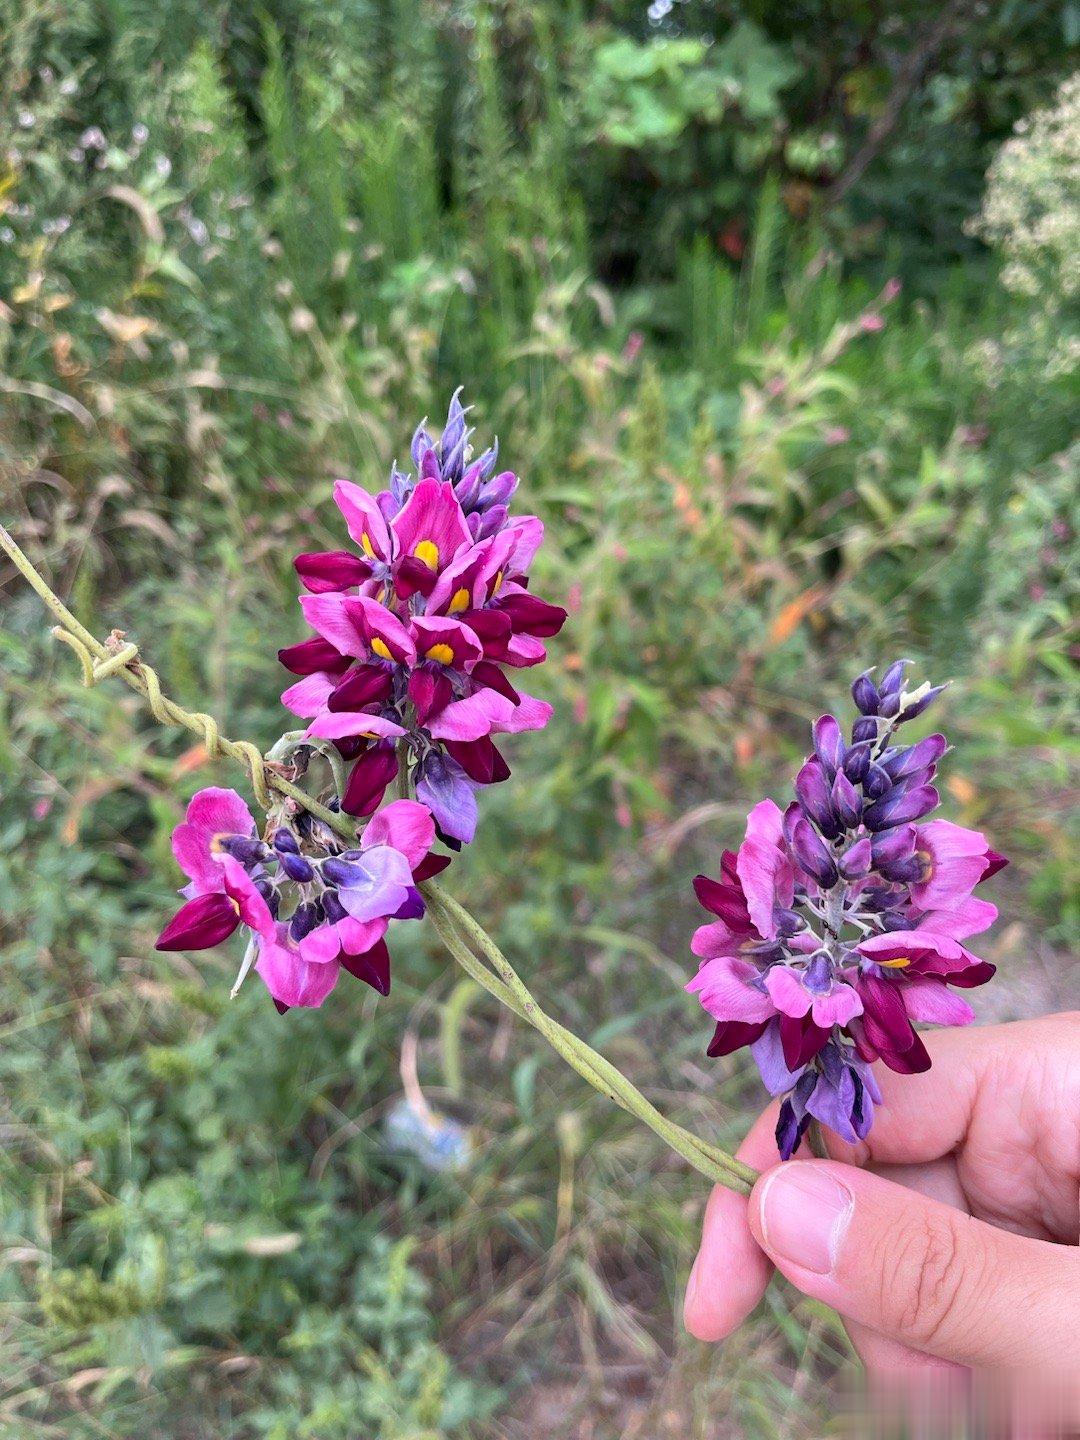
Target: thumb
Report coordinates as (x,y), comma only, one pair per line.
(914,1269)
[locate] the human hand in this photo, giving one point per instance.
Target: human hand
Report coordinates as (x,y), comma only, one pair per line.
(947,1237)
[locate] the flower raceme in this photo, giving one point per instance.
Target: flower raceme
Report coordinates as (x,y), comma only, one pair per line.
(414,632)
(416,628)
(342,899)
(841,920)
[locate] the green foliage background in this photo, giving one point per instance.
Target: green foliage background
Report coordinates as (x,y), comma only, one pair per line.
(243,248)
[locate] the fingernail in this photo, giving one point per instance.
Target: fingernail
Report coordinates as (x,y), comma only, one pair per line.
(805,1212)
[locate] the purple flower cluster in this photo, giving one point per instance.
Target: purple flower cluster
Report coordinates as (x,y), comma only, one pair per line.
(339,901)
(840,920)
(416,628)
(414,633)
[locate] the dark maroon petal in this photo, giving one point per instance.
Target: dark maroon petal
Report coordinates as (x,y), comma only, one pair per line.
(328,570)
(994,863)
(281,1007)
(200,924)
(490,677)
(480,759)
(731,1035)
(370,776)
(971,975)
(729,869)
(313,655)
(912,1061)
(725,902)
(373,967)
(363,686)
(411,576)
(530,615)
(430,692)
(492,629)
(885,1018)
(800,1040)
(430,866)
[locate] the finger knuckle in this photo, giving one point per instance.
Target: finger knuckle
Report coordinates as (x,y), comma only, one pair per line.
(924,1278)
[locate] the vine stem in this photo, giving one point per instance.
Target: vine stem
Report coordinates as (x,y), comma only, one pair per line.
(465,939)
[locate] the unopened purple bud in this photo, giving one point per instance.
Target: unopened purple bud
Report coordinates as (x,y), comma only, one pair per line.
(388,506)
(865,728)
(857,762)
(865,694)
(905,872)
(892,845)
(829,743)
(454,430)
(918,706)
(297,868)
(792,815)
(906,761)
(492,521)
(898,808)
(242,848)
(421,441)
(486,462)
(788,922)
(499,490)
(892,681)
(889,705)
(876,781)
(856,859)
(812,788)
(304,919)
(896,920)
(468,487)
(818,975)
(268,891)
(333,907)
(285,842)
(342,872)
(845,801)
(813,854)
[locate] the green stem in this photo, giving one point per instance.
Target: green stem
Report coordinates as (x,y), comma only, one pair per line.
(464,938)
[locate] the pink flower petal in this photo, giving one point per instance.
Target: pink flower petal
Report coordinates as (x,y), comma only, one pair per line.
(310,695)
(339,724)
(291,979)
(723,988)
(407,826)
(787,992)
(932,1001)
(363,518)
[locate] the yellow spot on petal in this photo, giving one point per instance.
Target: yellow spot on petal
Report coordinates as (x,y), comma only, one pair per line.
(215,842)
(235,904)
(459,602)
(442,653)
(427,552)
(898,964)
(380,647)
(496,582)
(366,545)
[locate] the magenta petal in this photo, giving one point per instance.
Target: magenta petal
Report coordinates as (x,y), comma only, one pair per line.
(220,811)
(405,825)
(430,525)
(840,1006)
(713,940)
(339,724)
(368,779)
(363,518)
(933,1002)
(311,655)
(200,924)
(310,695)
(471,718)
(787,992)
(290,979)
(723,987)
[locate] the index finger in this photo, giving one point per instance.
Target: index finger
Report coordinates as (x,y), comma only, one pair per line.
(731,1272)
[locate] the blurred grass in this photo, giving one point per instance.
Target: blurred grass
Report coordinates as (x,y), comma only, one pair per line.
(758,477)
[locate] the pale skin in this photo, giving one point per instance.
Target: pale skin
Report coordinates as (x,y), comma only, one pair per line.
(950,1238)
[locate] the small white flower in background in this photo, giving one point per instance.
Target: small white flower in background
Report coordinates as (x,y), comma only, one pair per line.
(163,166)
(92,138)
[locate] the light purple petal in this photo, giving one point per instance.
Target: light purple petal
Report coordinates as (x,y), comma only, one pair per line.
(451,796)
(768,1053)
(833,1105)
(381,886)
